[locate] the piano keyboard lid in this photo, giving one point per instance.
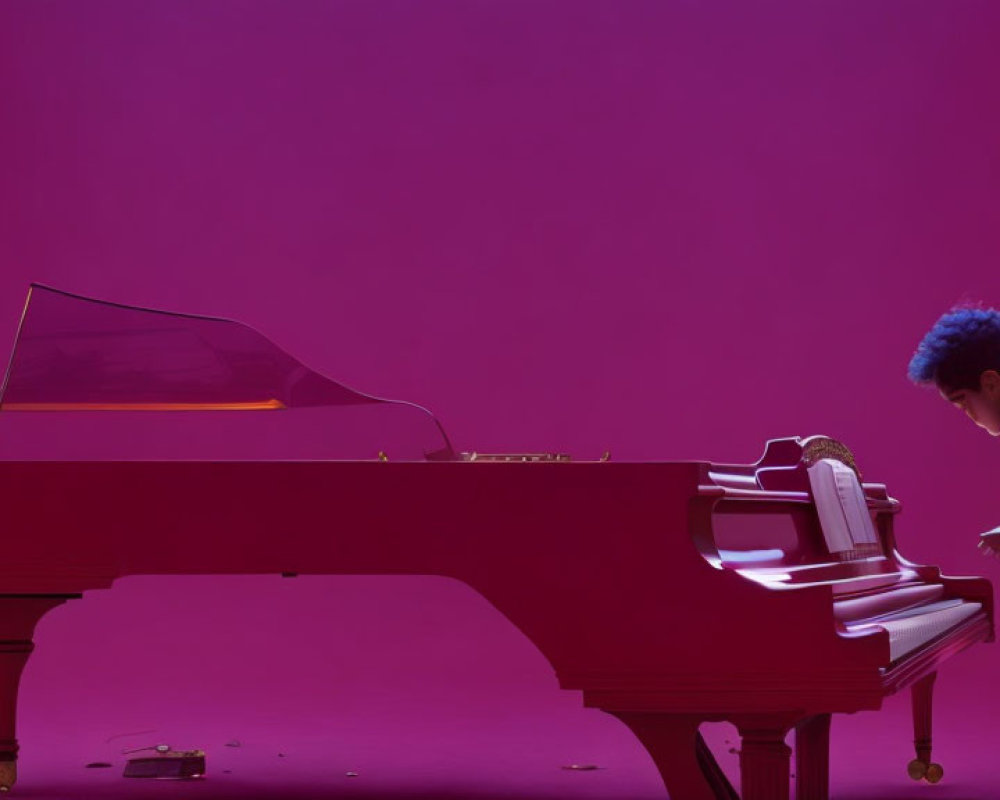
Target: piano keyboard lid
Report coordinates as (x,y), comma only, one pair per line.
(76,354)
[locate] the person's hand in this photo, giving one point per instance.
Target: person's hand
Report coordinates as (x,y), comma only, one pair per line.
(989,543)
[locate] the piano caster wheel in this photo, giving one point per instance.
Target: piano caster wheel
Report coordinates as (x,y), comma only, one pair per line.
(917,769)
(8,775)
(921,770)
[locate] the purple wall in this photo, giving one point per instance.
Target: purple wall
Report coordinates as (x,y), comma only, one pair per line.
(670,230)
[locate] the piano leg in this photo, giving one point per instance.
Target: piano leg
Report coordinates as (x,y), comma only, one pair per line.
(18,616)
(922,696)
(764,757)
(686,764)
(812,758)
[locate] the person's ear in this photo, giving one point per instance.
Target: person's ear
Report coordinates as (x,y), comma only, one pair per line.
(989,382)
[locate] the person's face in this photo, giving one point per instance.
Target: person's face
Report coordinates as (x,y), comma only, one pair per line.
(982,406)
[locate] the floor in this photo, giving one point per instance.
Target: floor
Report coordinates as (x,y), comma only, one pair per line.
(463,707)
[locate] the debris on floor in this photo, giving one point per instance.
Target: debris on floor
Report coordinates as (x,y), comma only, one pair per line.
(175,764)
(159,748)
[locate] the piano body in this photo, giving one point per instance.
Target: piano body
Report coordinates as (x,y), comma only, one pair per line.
(596,562)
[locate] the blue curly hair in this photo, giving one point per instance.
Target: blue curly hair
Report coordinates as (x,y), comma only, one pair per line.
(961,346)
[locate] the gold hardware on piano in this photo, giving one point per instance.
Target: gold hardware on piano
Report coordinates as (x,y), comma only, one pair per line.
(507,457)
(816,448)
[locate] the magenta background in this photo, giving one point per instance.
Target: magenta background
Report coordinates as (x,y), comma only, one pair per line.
(668,229)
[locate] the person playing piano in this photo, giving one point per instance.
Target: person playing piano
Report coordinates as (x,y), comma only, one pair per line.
(960,355)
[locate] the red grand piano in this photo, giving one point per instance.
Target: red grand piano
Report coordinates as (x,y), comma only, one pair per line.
(805,607)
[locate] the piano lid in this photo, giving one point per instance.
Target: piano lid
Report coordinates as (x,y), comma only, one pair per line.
(75,353)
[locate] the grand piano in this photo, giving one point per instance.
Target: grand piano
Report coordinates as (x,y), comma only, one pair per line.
(805,607)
